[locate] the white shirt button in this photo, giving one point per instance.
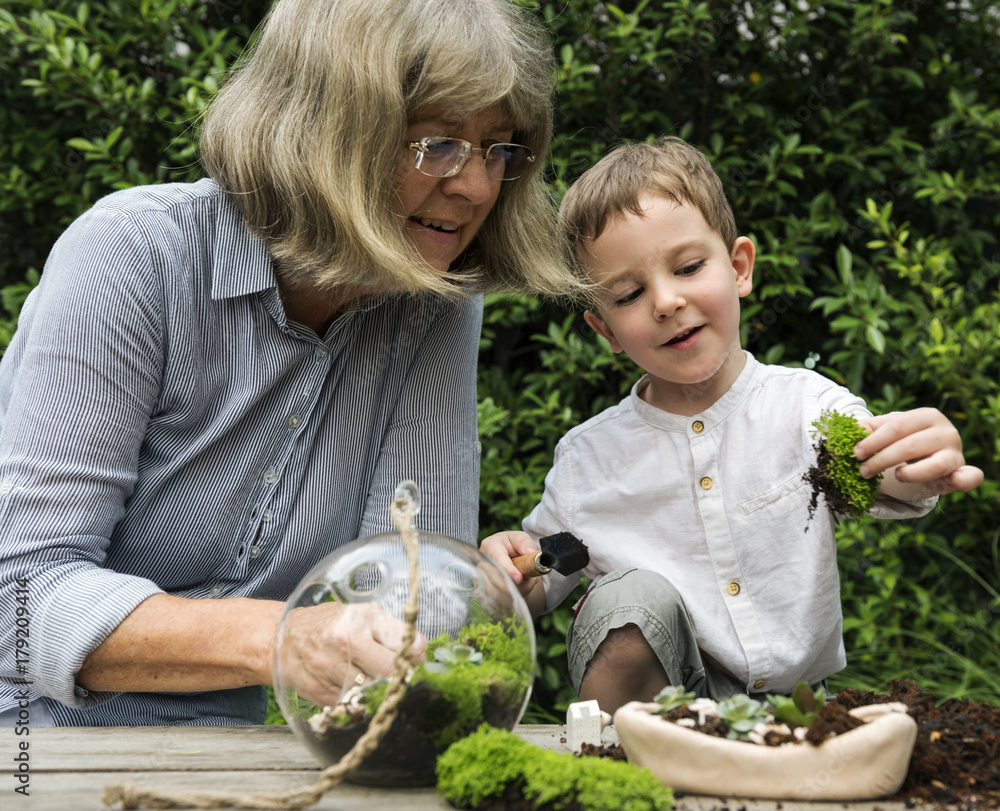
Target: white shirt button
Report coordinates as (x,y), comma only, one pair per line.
(254,552)
(215,590)
(270,476)
(267,515)
(294,421)
(320,352)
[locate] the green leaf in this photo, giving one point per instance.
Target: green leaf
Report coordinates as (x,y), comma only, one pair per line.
(845,261)
(83,145)
(911,76)
(876,339)
(112,137)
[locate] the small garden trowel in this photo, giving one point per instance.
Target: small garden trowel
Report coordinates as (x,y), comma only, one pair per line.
(562,552)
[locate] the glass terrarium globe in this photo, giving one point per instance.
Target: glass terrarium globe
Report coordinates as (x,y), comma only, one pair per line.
(478,667)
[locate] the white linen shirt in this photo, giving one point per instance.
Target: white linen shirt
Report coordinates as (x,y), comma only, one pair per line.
(718,505)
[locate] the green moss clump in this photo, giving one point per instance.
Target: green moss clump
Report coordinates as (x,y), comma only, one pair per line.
(482,765)
(837,472)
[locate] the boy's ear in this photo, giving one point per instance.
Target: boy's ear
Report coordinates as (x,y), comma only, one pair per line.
(742,256)
(601,328)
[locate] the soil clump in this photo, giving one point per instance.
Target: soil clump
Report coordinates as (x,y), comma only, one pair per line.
(956,759)
(822,485)
(611,751)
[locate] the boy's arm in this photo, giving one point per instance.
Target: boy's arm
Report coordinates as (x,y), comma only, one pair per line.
(502,548)
(920,452)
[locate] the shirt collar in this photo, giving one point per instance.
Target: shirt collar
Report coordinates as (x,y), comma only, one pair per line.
(712,415)
(241,263)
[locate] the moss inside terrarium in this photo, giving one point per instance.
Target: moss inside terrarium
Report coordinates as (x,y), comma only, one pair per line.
(480,675)
(468,690)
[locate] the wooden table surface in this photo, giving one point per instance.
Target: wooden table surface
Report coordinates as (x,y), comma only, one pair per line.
(69,768)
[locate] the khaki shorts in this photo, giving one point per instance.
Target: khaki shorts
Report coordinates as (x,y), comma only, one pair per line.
(650,602)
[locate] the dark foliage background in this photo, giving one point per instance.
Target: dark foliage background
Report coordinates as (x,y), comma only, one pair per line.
(858,141)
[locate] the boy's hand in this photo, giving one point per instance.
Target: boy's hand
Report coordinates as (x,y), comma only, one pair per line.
(924,448)
(502,547)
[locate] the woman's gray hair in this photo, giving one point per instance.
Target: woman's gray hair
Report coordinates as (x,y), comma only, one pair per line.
(306,136)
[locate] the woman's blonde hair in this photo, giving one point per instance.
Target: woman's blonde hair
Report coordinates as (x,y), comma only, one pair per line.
(305,137)
(616,184)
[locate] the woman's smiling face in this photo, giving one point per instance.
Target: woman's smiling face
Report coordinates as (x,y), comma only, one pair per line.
(443,214)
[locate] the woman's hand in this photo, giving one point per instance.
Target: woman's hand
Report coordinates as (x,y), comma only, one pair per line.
(920,451)
(326,647)
(503,547)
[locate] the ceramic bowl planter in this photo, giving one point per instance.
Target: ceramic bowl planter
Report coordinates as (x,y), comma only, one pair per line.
(865,763)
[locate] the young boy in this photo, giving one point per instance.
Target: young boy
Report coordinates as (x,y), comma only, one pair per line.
(690,492)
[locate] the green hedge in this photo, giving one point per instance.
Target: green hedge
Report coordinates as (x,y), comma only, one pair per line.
(859,144)
(858,141)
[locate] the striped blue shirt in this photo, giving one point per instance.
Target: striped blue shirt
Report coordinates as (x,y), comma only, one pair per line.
(164,427)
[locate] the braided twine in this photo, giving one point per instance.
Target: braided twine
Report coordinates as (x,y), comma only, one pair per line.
(126,796)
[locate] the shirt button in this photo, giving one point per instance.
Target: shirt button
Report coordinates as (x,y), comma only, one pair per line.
(706,483)
(733,588)
(697,426)
(760,684)
(294,421)
(320,352)
(254,552)
(270,476)
(267,515)
(215,590)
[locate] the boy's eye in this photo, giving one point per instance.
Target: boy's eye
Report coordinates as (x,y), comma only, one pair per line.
(689,269)
(629,297)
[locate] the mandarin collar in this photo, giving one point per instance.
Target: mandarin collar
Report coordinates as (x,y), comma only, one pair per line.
(713,415)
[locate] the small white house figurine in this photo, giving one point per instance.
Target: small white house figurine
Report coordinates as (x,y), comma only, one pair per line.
(584,722)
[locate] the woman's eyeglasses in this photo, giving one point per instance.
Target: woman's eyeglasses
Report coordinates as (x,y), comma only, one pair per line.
(445,157)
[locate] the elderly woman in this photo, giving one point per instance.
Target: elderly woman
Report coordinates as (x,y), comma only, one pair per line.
(216,384)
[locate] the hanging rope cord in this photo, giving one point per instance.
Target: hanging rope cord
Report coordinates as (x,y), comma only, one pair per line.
(126,796)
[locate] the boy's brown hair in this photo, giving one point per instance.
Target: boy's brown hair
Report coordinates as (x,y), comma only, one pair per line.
(614,185)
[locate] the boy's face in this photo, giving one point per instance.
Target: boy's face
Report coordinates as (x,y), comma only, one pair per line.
(671,301)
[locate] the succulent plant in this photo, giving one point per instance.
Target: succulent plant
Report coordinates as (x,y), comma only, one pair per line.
(801,707)
(448,656)
(741,715)
(671,697)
